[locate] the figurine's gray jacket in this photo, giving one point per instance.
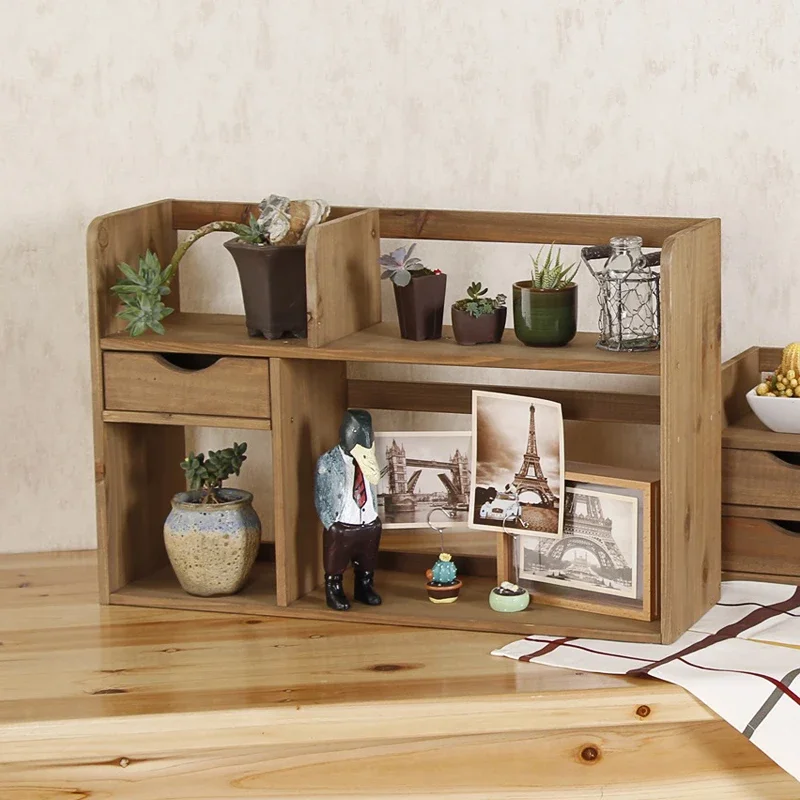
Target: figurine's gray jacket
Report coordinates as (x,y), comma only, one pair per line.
(330,487)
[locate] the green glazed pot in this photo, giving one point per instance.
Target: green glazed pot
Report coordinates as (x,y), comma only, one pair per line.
(545,317)
(508,603)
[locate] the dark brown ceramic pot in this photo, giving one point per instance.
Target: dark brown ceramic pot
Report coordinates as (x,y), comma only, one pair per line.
(443,594)
(485,329)
(273,283)
(420,307)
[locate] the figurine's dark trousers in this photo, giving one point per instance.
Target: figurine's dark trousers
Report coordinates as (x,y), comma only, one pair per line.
(343,543)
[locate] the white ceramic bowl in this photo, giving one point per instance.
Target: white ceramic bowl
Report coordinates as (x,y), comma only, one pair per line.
(779,414)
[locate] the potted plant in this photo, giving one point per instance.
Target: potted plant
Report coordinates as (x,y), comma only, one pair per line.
(443,586)
(546,307)
(212,534)
(269,252)
(765,400)
(478,319)
(418,292)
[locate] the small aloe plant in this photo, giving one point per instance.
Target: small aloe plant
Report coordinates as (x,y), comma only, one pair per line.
(206,473)
(552,274)
(399,265)
(477,304)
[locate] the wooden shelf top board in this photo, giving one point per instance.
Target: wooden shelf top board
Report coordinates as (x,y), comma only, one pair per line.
(225,334)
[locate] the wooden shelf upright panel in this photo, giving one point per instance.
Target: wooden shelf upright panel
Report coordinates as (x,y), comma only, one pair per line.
(138,445)
(691,426)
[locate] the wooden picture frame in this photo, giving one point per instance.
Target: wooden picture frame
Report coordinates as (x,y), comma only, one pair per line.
(635,496)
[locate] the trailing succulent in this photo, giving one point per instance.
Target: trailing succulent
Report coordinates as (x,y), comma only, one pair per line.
(399,266)
(552,274)
(280,222)
(206,473)
(477,304)
(140,292)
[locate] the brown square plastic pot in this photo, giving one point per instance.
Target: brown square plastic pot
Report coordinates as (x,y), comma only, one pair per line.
(273,283)
(485,329)
(420,307)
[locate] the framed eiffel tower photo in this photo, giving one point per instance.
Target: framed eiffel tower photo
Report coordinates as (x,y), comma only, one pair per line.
(605,561)
(517,464)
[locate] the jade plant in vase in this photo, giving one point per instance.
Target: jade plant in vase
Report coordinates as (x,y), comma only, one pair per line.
(478,319)
(212,534)
(546,306)
(269,252)
(443,584)
(418,292)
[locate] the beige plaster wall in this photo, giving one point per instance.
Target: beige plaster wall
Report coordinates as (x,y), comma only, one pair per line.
(649,107)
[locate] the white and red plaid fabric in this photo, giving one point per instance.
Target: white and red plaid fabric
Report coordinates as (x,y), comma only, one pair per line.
(739,660)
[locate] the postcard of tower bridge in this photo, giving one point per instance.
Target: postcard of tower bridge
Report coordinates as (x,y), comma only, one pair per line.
(517,464)
(420,471)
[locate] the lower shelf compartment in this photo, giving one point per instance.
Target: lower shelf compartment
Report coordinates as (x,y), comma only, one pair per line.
(404,603)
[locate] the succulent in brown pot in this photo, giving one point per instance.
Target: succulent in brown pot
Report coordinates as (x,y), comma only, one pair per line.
(478,319)
(269,251)
(418,292)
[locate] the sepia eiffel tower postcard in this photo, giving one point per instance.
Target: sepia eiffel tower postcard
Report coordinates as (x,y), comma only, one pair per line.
(517,464)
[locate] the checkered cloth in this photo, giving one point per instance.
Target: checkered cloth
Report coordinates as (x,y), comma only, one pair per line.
(739,659)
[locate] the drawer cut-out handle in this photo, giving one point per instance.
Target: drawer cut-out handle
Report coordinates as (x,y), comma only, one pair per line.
(788,526)
(792,459)
(191,362)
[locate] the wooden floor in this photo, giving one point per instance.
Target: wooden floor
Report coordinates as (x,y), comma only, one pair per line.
(154,704)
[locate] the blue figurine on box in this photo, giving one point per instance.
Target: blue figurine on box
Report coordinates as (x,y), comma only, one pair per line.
(347,505)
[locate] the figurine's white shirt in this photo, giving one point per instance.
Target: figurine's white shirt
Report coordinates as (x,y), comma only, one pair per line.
(351,514)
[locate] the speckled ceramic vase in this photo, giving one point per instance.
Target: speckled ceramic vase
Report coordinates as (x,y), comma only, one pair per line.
(212,548)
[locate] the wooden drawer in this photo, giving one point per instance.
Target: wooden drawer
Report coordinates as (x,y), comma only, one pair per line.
(762,546)
(228,387)
(761,478)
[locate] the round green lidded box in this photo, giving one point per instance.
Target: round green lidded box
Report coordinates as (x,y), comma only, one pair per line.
(508,597)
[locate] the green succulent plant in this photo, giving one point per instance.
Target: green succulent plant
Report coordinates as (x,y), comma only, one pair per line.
(552,274)
(206,473)
(477,304)
(253,232)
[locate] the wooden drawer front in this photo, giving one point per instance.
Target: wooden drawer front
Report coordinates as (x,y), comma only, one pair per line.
(229,387)
(763,546)
(760,478)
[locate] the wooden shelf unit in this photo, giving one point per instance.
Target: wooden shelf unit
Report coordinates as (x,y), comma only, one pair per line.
(761,488)
(137,450)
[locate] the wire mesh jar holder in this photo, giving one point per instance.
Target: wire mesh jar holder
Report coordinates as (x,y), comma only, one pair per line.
(629,285)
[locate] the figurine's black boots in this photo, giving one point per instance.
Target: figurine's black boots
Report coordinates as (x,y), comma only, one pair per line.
(363,591)
(334,593)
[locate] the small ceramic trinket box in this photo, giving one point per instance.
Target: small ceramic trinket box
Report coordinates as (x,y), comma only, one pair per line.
(508,597)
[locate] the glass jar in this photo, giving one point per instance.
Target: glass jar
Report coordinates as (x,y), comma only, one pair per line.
(628,293)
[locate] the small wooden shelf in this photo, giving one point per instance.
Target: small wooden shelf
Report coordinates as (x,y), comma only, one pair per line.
(299,390)
(225,334)
(405,603)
